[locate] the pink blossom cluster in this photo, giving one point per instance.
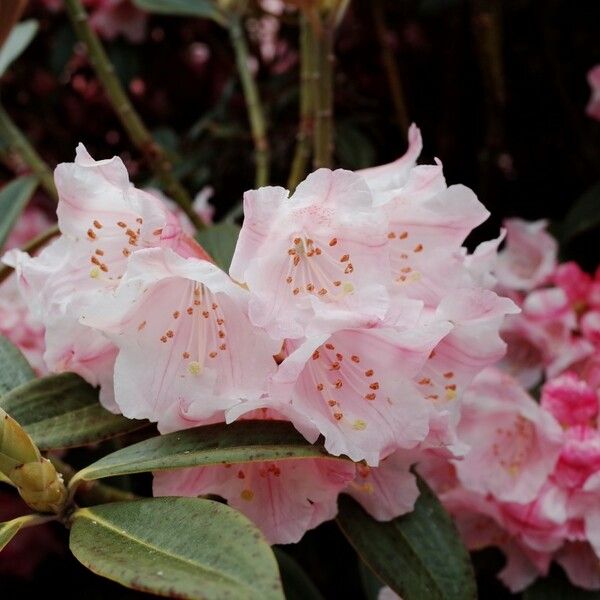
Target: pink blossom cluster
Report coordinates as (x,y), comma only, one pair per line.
(529,483)
(559,324)
(351,309)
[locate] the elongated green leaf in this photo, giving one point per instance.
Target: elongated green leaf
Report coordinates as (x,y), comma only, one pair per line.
(207,9)
(583,216)
(9,529)
(62,411)
(13,199)
(243,441)
(557,587)
(296,583)
(177,547)
(14,368)
(219,241)
(418,555)
(18,39)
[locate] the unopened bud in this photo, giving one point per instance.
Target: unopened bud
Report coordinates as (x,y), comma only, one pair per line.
(38,482)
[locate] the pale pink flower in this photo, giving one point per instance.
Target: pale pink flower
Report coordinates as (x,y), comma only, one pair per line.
(514,444)
(580,563)
(593,107)
(103,220)
(284,498)
(529,257)
(187,319)
(388,490)
(321,254)
(16,321)
(20,326)
(355,387)
(543,337)
(407,303)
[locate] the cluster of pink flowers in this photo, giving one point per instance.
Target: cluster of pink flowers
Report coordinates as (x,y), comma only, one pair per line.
(530,484)
(351,309)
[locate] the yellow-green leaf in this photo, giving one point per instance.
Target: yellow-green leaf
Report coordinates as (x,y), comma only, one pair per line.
(9,529)
(177,547)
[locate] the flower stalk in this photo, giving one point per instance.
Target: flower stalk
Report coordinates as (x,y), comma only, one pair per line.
(130,119)
(304,138)
(20,145)
(254,105)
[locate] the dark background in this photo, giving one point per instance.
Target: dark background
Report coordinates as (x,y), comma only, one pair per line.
(520,139)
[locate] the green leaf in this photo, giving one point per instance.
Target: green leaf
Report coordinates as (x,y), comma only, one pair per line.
(207,9)
(296,583)
(418,555)
(242,441)
(14,368)
(13,199)
(18,39)
(63,411)
(9,529)
(583,216)
(177,547)
(219,241)
(557,587)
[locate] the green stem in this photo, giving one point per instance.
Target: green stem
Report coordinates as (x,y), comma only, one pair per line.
(305,130)
(131,121)
(256,114)
(390,66)
(323,89)
(91,492)
(30,247)
(19,144)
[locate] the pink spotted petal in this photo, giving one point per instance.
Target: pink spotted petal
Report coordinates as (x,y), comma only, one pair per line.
(284,499)
(388,490)
(189,319)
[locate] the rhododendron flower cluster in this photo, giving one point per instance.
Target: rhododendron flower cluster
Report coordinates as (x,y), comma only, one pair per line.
(529,481)
(351,309)
(529,484)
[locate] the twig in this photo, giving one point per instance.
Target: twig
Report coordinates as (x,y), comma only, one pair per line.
(253,103)
(306,127)
(323,90)
(131,121)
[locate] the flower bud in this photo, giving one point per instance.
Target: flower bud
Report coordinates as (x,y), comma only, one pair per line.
(35,477)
